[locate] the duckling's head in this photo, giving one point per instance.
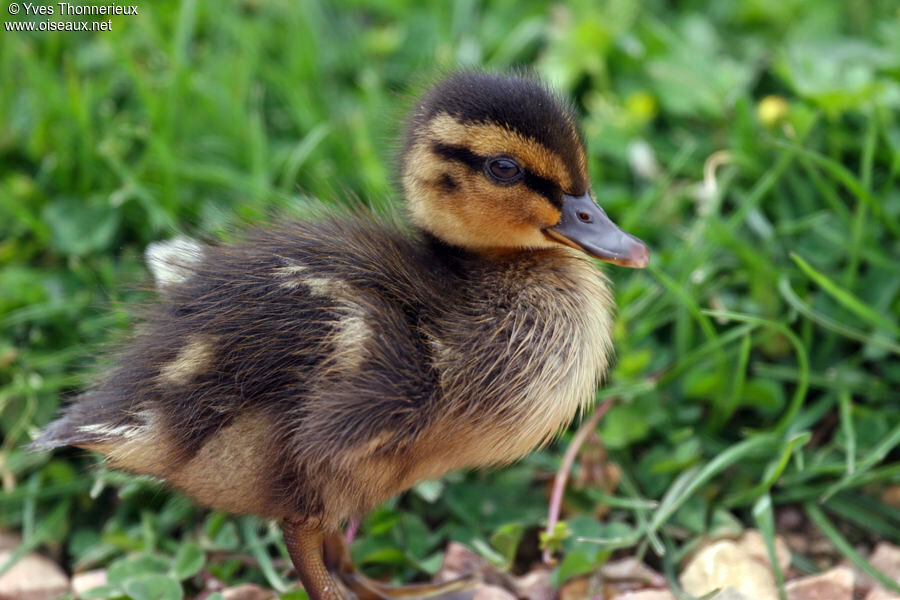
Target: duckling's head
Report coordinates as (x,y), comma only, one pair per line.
(494,163)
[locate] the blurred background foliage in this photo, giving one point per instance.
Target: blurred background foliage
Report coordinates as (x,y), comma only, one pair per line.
(752,144)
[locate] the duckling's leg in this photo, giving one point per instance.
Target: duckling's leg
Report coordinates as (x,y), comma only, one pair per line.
(340,564)
(304,545)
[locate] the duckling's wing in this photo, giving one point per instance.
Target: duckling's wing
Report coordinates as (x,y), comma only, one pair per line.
(269,357)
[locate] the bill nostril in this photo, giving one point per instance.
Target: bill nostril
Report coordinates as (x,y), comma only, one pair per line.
(583,216)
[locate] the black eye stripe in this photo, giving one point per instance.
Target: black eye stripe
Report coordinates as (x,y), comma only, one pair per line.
(543,186)
(459,154)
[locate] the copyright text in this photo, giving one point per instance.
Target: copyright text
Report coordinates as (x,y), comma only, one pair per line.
(65,9)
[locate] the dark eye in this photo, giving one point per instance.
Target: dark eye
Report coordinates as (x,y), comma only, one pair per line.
(503,170)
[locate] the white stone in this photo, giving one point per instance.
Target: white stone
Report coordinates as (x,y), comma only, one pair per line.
(753,543)
(492,592)
(82,582)
(725,564)
(33,577)
(535,585)
(631,568)
(646,595)
(247,591)
(886,558)
(834,584)
(880,593)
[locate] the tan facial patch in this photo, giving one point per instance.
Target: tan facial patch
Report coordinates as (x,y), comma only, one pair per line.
(477,213)
(462,206)
(193,359)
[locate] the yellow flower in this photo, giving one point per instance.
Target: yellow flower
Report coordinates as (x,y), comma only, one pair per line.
(771,110)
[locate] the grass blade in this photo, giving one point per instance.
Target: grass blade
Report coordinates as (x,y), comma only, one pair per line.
(846,408)
(858,510)
(878,454)
(827,322)
(690,481)
(844,176)
(802,361)
(722,411)
(765,520)
(773,472)
(258,550)
(51,523)
(845,298)
(825,525)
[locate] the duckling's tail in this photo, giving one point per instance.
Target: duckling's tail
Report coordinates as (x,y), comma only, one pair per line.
(78,425)
(54,435)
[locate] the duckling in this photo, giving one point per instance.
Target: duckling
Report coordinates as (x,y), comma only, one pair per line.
(317,368)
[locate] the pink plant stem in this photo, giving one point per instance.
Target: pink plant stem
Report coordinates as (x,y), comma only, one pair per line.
(352,528)
(562,475)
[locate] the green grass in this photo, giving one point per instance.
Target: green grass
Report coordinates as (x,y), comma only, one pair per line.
(758,358)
